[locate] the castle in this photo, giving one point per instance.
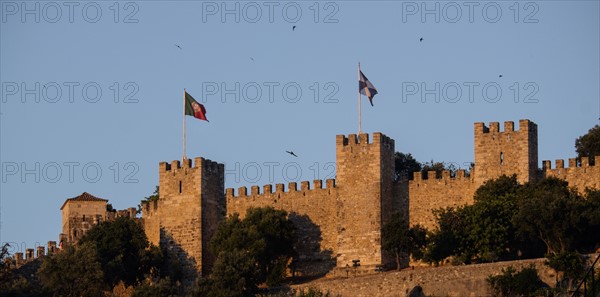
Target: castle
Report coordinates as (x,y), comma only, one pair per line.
(340,221)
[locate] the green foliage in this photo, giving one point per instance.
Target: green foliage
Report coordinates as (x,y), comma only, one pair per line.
(154,195)
(75,271)
(122,250)
(509,220)
(551,212)
(450,237)
(512,283)
(405,165)
(401,240)
(164,287)
(570,264)
(235,273)
(591,221)
(438,167)
(588,145)
(312,292)
(249,252)
(18,282)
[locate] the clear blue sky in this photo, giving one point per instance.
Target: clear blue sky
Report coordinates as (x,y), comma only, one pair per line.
(547,50)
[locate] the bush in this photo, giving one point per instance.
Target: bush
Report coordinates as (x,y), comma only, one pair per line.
(516,283)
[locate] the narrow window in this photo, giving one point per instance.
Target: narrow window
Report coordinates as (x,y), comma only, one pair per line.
(180,187)
(501,158)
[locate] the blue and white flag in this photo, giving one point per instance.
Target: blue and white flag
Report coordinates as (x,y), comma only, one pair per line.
(366,88)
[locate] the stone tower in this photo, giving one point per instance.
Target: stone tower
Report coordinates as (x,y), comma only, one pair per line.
(79,214)
(365,177)
(191,204)
(507,152)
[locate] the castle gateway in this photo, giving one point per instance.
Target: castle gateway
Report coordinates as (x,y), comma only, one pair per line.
(341,220)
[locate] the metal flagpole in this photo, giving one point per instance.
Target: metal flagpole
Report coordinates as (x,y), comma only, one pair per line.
(183,157)
(359,114)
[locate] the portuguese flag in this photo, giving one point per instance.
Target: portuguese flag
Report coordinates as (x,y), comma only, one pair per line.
(193,108)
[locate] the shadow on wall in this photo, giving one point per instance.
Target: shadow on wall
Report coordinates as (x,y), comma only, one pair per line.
(179,265)
(312,260)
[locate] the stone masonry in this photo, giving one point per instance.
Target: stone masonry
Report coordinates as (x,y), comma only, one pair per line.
(341,220)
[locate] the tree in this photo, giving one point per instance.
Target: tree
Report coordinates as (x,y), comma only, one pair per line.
(401,240)
(122,250)
(279,234)
(405,165)
(75,271)
(450,237)
(588,145)
(525,282)
(489,220)
(164,287)
(570,264)
(550,211)
(154,195)
(234,274)
(590,238)
(249,252)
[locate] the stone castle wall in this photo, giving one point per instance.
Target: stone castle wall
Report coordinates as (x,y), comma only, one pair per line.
(505,152)
(451,281)
(342,221)
(313,211)
(365,175)
(579,175)
(432,193)
(189,207)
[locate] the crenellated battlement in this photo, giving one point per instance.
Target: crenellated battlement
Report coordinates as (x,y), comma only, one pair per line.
(461,174)
(177,165)
(580,175)
(280,189)
(39,252)
(509,126)
(572,163)
(363,140)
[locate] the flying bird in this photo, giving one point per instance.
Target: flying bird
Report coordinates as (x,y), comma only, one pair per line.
(251,58)
(421,39)
(500,75)
(291,153)
(178,46)
(293,28)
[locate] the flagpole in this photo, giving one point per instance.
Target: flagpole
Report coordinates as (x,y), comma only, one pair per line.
(183,157)
(359,114)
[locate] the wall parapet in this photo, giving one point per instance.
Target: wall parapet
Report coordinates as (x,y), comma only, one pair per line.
(572,163)
(363,140)
(509,126)
(445,175)
(280,189)
(176,165)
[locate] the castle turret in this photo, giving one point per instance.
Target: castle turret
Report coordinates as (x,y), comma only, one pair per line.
(506,153)
(191,204)
(78,213)
(365,177)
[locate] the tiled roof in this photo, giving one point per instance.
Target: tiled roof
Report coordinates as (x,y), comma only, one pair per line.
(85,196)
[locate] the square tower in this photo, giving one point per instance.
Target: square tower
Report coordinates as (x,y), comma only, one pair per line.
(79,214)
(365,177)
(190,206)
(506,153)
